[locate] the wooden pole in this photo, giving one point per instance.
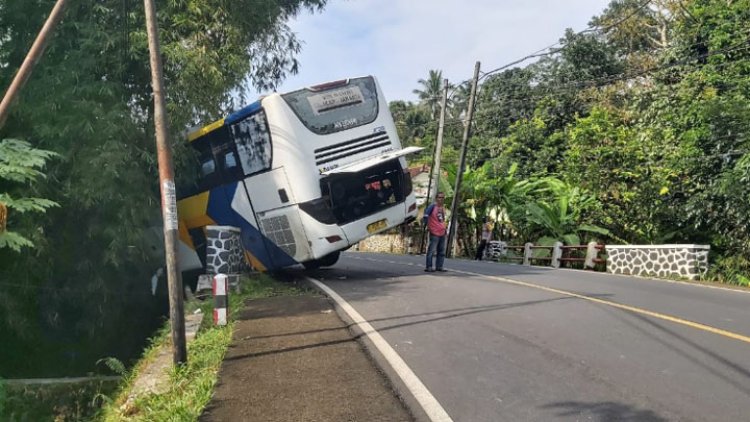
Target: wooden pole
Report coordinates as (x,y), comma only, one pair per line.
(168,197)
(31,59)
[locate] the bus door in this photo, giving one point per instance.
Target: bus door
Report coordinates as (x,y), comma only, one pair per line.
(268,192)
(227,198)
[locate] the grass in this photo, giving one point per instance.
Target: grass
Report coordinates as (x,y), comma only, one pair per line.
(190,386)
(59,403)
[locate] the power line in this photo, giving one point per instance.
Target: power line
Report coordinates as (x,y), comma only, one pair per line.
(541,53)
(576,86)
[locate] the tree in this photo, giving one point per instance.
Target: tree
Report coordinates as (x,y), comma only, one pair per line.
(430,95)
(20,164)
(559,212)
(89,100)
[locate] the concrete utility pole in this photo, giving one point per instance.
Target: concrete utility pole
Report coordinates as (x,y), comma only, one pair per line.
(31,58)
(166,183)
(435,177)
(434,184)
(460,173)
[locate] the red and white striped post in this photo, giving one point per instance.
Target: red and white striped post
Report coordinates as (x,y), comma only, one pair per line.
(221,302)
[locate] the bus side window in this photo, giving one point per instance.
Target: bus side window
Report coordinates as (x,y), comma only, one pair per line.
(253,140)
(229,166)
(209,175)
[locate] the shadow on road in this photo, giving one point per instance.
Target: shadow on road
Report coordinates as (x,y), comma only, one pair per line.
(689,350)
(604,411)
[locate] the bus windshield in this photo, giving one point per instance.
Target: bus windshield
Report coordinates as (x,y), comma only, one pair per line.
(336,107)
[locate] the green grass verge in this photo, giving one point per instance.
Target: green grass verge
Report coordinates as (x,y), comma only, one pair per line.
(60,402)
(191,385)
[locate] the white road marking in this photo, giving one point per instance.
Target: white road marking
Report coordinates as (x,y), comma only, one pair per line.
(634,309)
(429,403)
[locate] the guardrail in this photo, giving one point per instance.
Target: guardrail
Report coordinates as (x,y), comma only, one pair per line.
(559,254)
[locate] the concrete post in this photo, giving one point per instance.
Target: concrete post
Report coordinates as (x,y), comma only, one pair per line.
(527,253)
(221,302)
(591,253)
(556,254)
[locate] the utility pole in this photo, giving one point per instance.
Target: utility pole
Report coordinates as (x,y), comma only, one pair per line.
(166,184)
(435,177)
(31,58)
(437,153)
(460,173)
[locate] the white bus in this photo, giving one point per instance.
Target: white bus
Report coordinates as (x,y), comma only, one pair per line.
(304,175)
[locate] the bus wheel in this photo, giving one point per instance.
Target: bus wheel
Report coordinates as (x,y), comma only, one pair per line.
(330,259)
(312,264)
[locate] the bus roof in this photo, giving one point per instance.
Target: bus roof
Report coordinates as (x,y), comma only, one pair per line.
(232,118)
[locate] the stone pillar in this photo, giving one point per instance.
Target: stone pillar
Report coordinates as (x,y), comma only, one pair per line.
(224,252)
(591,253)
(556,254)
(527,253)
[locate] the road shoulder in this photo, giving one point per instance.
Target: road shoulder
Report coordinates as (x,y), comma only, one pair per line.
(292,358)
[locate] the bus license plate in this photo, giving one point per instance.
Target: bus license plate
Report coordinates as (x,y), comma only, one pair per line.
(377,226)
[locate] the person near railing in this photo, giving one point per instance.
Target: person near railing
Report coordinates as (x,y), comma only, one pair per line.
(484,239)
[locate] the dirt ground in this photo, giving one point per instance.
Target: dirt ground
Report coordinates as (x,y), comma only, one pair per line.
(293,359)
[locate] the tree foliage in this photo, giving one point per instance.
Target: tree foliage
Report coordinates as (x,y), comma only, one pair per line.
(647,115)
(20,166)
(84,291)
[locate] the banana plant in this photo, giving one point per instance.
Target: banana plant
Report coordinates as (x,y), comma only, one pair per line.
(559,212)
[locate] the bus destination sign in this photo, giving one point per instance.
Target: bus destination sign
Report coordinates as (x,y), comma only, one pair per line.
(332,100)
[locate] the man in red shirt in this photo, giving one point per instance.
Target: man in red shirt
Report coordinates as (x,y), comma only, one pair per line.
(434,218)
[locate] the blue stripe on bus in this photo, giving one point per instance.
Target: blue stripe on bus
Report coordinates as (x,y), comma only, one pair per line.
(242,113)
(220,210)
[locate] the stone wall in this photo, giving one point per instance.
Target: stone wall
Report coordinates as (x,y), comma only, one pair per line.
(388,243)
(688,261)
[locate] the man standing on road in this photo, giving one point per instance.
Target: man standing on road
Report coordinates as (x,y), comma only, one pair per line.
(434,218)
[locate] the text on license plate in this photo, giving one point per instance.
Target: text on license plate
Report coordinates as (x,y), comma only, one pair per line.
(376,226)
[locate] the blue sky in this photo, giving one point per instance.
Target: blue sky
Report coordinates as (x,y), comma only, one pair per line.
(399,41)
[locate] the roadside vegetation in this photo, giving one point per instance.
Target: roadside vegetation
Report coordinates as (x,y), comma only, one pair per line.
(80,226)
(189,387)
(636,131)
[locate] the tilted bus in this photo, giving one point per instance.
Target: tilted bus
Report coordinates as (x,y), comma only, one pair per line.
(304,175)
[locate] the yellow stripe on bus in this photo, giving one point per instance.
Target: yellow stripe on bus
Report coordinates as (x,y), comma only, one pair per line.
(184,235)
(252,260)
(204,130)
(194,210)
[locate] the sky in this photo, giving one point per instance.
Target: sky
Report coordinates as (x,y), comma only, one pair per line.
(399,41)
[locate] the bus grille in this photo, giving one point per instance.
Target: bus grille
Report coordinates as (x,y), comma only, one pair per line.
(351,147)
(278,231)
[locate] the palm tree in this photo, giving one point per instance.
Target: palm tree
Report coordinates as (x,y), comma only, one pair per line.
(460,99)
(430,95)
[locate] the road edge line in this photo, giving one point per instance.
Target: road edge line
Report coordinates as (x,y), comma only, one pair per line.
(431,407)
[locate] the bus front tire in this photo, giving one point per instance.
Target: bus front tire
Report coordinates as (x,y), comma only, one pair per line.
(325,261)
(330,259)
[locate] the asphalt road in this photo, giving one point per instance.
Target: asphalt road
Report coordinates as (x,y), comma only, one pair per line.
(496,342)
